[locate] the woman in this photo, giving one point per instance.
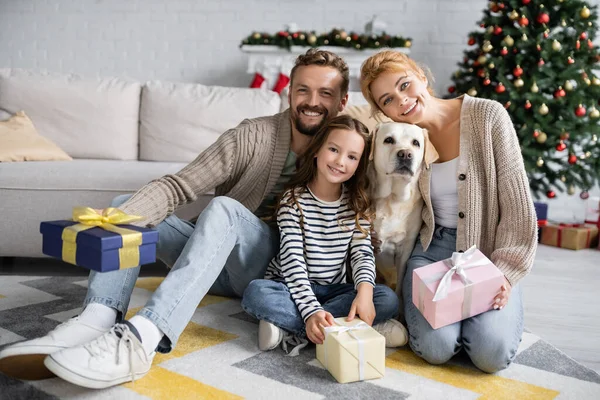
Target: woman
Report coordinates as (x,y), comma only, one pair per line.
(477,193)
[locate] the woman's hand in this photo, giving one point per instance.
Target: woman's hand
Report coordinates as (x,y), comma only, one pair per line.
(363,304)
(502,297)
(375,242)
(315,324)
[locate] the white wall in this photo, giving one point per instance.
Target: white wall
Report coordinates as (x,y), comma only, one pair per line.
(198,40)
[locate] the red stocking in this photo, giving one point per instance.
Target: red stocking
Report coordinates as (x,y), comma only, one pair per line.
(257,81)
(282,82)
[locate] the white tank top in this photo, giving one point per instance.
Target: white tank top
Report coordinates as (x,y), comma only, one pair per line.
(444,195)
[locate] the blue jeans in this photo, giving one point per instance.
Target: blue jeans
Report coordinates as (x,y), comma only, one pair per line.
(490,339)
(227,248)
(271,301)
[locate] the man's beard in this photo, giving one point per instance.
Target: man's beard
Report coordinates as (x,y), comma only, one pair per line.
(310,130)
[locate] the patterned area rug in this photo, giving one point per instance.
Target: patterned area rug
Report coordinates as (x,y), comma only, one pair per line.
(218,358)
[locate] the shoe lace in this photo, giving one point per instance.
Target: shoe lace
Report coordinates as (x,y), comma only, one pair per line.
(296,343)
(114,341)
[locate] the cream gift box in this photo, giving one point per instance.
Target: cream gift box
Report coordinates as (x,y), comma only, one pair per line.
(352,351)
(457,288)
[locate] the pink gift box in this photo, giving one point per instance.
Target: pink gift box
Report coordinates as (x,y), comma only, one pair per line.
(466,285)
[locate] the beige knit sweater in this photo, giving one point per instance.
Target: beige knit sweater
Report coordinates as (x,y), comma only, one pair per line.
(496,211)
(244,164)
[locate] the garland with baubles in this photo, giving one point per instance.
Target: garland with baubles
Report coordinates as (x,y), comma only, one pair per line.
(336,38)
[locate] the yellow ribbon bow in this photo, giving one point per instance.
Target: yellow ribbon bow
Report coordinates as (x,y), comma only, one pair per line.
(87,218)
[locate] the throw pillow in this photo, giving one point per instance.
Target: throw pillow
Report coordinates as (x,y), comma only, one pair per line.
(19,141)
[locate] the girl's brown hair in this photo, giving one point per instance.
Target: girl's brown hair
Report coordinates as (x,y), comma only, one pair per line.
(388,61)
(357,185)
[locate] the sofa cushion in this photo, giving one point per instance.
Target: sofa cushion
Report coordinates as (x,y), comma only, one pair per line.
(87,118)
(19,141)
(180,120)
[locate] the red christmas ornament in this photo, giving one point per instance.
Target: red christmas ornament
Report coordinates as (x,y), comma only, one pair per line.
(354,36)
(515,50)
(295,35)
(570,60)
(452,89)
(504,51)
(517,71)
(583,36)
(500,88)
(572,159)
(481,72)
(501,6)
(497,30)
(561,146)
(541,62)
(487,81)
(560,92)
(543,18)
(482,25)
(580,111)
(550,194)
(507,104)
(471,41)
(494,8)
(476,63)
(525,2)
(523,21)
(536,134)
(527,107)
(546,34)
(564,136)
(577,44)
(590,44)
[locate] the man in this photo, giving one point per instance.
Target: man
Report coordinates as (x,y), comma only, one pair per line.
(228,247)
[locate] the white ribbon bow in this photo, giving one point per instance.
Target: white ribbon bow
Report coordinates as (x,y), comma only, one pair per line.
(350,329)
(459,262)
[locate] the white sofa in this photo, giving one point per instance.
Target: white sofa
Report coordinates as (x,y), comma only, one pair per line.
(120,133)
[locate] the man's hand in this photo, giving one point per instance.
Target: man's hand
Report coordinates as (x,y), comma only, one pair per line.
(502,297)
(375,242)
(315,324)
(363,304)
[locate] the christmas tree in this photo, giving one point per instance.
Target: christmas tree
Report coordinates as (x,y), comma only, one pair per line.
(538,58)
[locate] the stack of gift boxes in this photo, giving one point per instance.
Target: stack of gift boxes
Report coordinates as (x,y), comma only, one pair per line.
(575,236)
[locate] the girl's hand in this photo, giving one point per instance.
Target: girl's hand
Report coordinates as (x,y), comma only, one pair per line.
(363,304)
(502,297)
(375,242)
(315,324)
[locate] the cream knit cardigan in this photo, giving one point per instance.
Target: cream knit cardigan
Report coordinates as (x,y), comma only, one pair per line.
(496,211)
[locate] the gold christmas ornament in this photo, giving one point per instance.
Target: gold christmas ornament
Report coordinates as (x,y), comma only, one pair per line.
(524,37)
(571,190)
(534,88)
(343,35)
(256,35)
(490,29)
(481,59)
(585,12)
(302,36)
(312,39)
(594,113)
(541,137)
(563,178)
(540,162)
(487,46)
(588,154)
(568,86)
(513,15)
(596,81)
(491,66)
(556,46)
(509,41)
(587,81)
(519,82)
(543,110)
(408,43)
(563,23)
(594,138)
(472,92)
(582,156)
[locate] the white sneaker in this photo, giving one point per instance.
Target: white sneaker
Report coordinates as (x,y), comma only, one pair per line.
(269,335)
(25,360)
(114,358)
(393,331)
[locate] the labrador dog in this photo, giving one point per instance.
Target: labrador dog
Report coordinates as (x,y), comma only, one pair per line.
(399,153)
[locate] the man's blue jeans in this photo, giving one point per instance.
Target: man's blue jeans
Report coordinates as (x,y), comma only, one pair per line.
(271,301)
(490,339)
(227,248)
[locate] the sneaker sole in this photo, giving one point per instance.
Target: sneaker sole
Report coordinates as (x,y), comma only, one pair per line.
(79,380)
(29,367)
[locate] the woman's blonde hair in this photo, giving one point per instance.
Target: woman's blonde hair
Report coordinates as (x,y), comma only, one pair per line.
(389,61)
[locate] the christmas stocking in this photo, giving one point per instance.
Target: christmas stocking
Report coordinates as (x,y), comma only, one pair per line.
(282,82)
(258,80)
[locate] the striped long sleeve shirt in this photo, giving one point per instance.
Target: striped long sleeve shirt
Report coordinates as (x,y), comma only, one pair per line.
(318,252)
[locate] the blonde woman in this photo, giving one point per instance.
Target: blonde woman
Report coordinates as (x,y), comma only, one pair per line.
(476,193)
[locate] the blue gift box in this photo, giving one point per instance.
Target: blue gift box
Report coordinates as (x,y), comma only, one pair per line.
(541,210)
(96,248)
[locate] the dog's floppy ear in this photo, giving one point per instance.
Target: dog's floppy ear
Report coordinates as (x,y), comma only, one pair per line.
(431,153)
(373,140)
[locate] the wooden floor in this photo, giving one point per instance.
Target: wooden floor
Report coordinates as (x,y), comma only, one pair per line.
(562,305)
(561,296)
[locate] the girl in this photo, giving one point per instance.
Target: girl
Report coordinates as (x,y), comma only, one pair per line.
(476,194)
(323,222)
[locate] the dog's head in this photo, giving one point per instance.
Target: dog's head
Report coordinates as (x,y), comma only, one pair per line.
(399,150)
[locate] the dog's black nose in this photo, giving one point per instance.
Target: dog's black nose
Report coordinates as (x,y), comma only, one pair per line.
(405,154)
